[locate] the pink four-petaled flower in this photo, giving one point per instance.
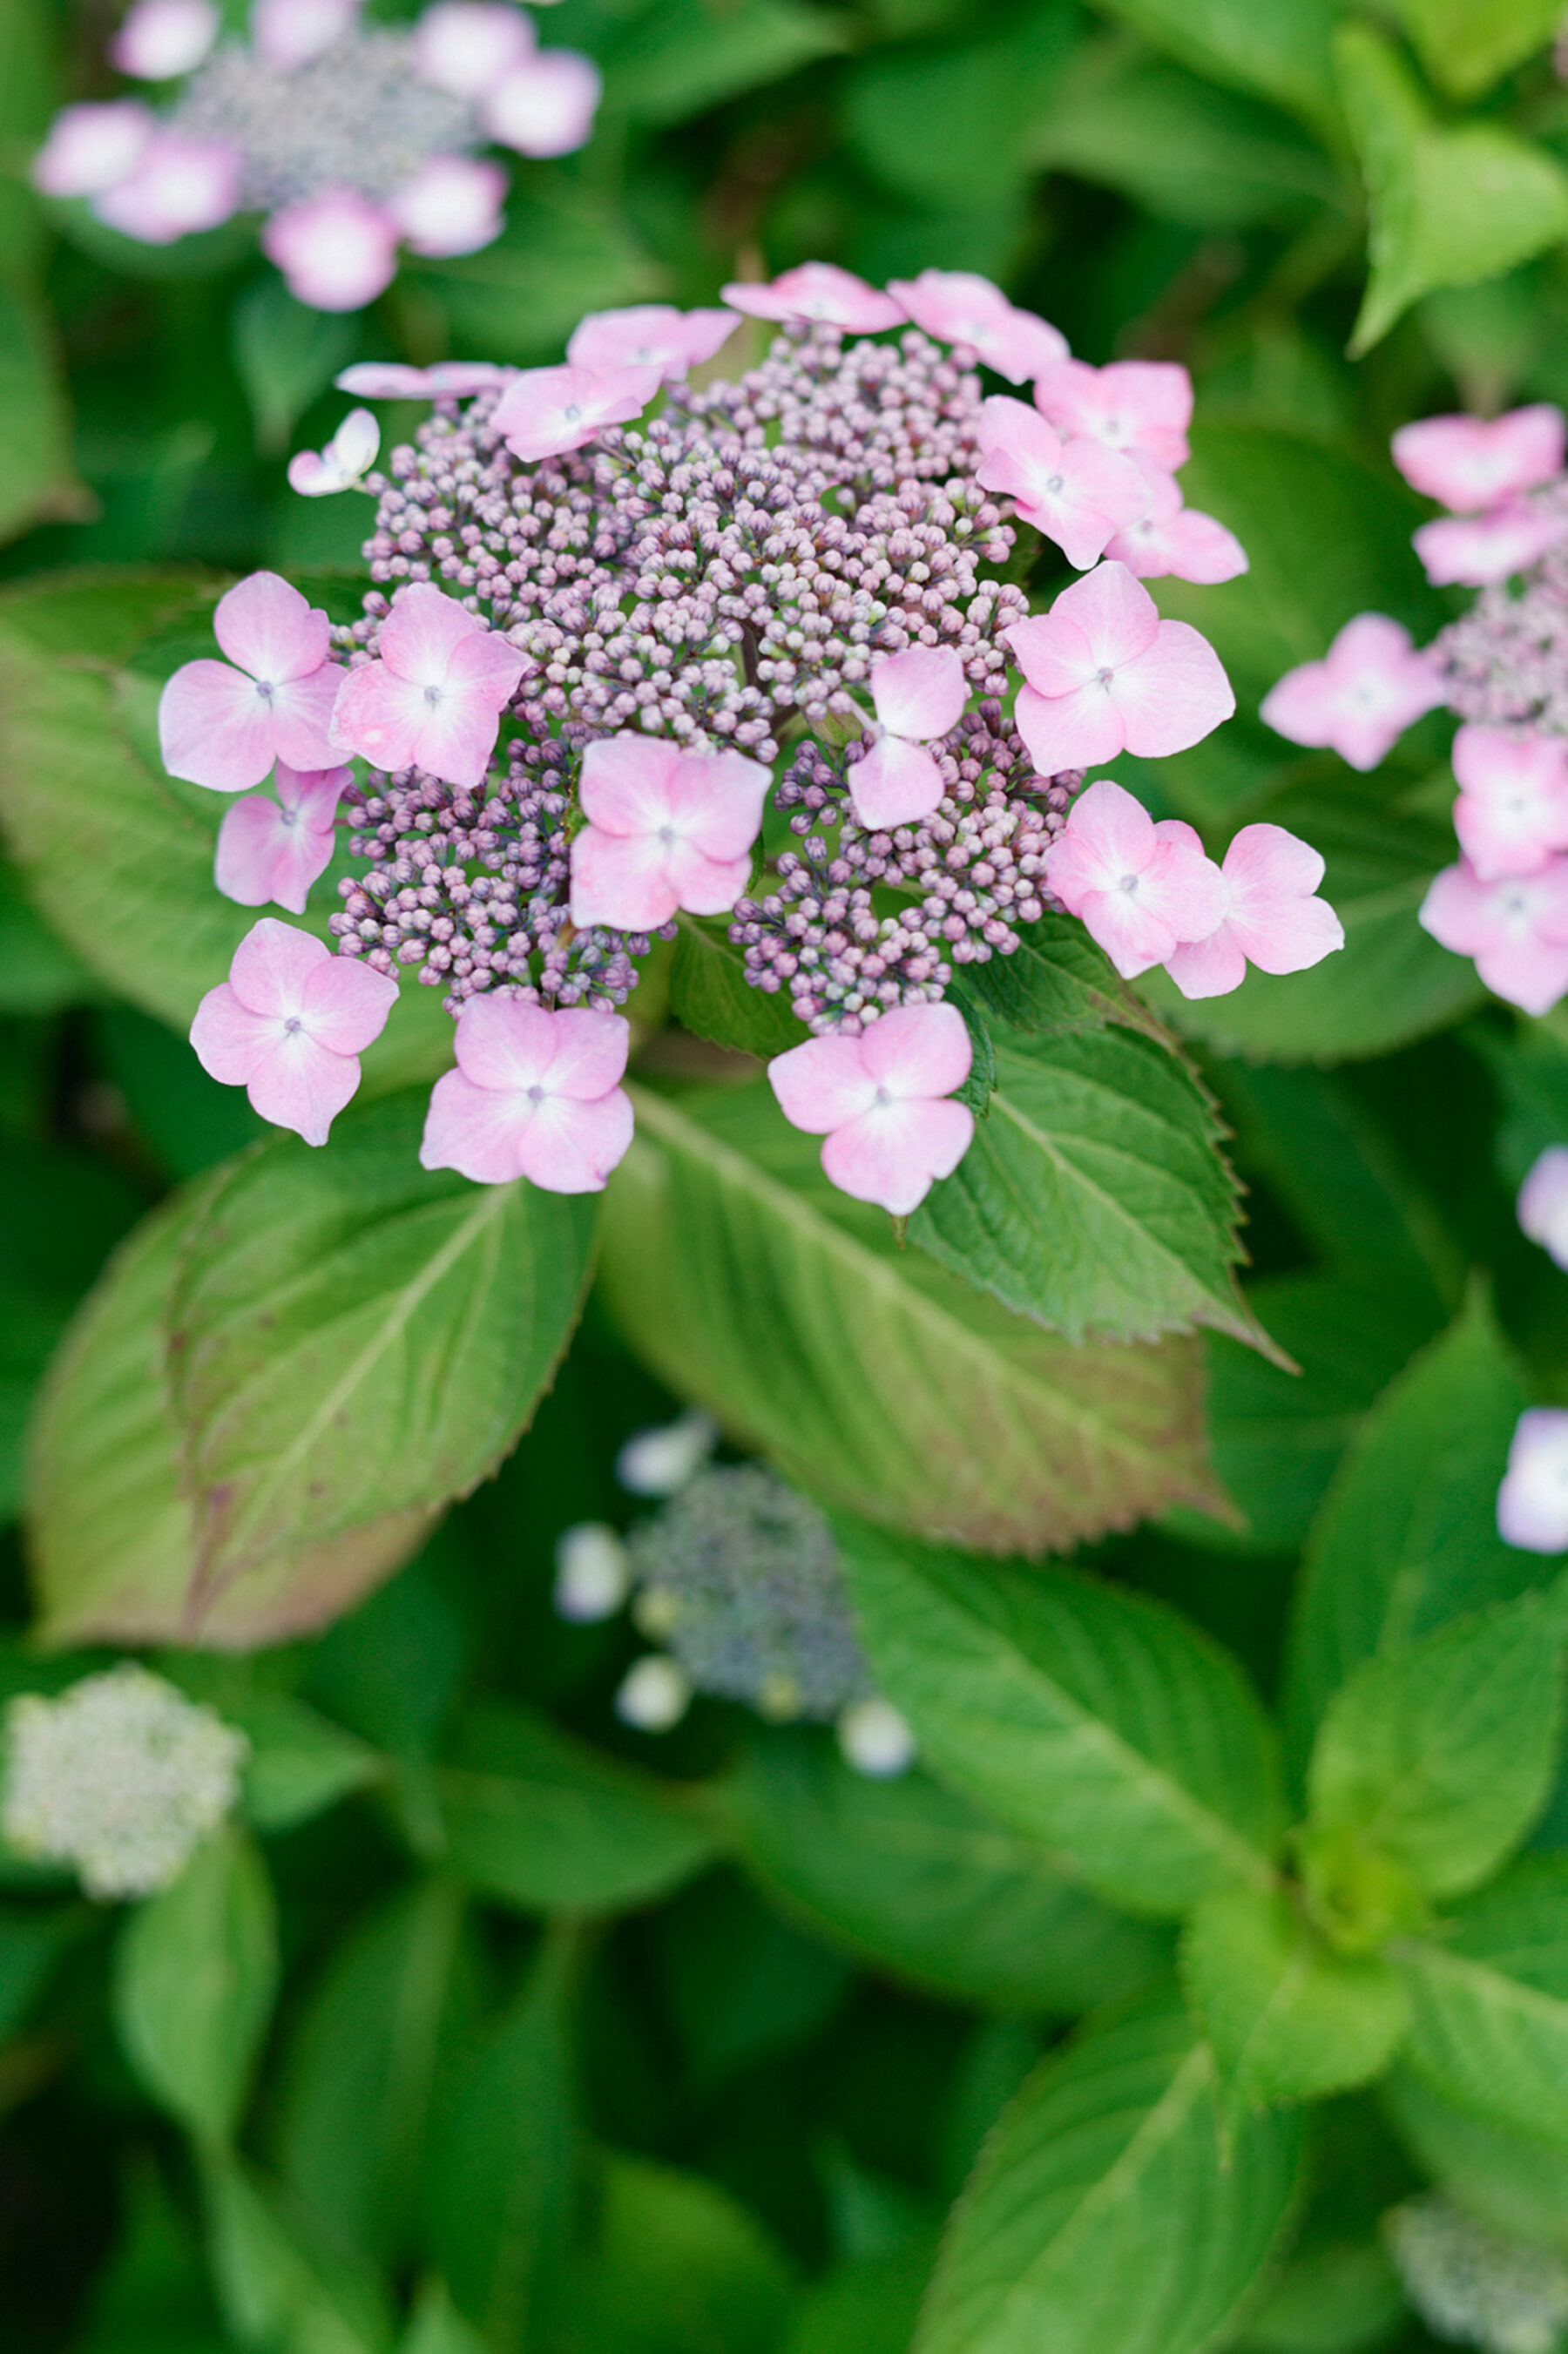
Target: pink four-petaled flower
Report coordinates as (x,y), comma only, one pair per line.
(667,829)
(1474,551)
(958,306)
(270,851)
(535,1094)
(337,250)
(392,380)
(289,1024)
(545,411)
(289,33)
(882,1102)
(1167,537)
(434,696)
(90,148)
(1140,888)
(1143,406)
(1272,917)
(546,105)
(1516,928)
(1106,674)
(1077,492)
(467,47)
(1467,464)
(821,293)
(1367,690)
(1544,1202)
(177,185)
(451,206)
(224,727)
(160,39)
(1512,810)
(918,696)
(650,335)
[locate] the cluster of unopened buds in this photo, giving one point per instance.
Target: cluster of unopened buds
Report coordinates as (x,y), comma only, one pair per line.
(1502,670)
(351,140)
(605,599)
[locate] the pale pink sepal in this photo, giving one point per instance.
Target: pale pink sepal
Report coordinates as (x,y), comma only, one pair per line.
(178,186)
(882,1102)
(821,293)
(920,695)
(337,251)
(90,149)
(270,851)
(1467,464)
(1077,492)
(666,829)
(1140,407)
(1516,928)
(1106,674)
(289,1026)
(958,306)
(650,335)
(224,727)
(546,411)
(1370,686)
(288,34)
(1169,539)
(342,463)
(451,206)
(1512,809)
(1272,917)
(1475,551)
(1140,888)
(535,1094)
(1544,1202)
(448,379)
(1532,1502)
(546,105)
(467,47)
(433,698)
(162,39)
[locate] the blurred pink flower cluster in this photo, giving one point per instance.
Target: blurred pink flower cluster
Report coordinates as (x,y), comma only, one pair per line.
(1503,670)
(600,623)
(352,140)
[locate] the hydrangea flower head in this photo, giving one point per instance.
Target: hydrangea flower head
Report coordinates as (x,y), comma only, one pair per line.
(289,1026)
(535,1094)
(1142,888)
(882,1102)
(1105,674)
(1543,1203)
(1360,699)
(121,1776)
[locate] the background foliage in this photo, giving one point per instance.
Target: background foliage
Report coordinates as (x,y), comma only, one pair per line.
(497,2025)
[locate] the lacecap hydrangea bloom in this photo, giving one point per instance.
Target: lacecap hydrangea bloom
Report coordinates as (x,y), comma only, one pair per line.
(351,140)
(121,1776)
(1502,671)
(618,622)
(1473,2285)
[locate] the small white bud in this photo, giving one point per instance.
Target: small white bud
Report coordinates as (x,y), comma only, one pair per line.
(654,1695)
(874,1739)
(659,1462)
(592,1574)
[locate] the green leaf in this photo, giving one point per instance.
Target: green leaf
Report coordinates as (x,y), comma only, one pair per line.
(1449,207)
(1389,985)
(710,995)
(1489,2002)
(677,2265)
(300,1764)
(1279,52)
(536,1819)
(1343,2298)
(1467,45)
(286,357)
(1438,1756)
(352,1336)
(679,57)
(1095,1197)
(1093,1720)
(1104,2217)
(953,125)
(362,2063)
(868,2305)
(37,481)
(867,1373)
(1287,2018)
(905,1876)
(112,1537)
(1056,981)
(195,1976)
(1407,1535)
(499,2181)
(566,248)
(1513,2180)
(438,2327)
(282,2289)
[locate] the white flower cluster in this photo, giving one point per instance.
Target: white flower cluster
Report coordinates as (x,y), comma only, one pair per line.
(1474,2286)
(121,1776)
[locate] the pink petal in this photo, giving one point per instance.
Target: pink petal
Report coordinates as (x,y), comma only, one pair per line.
(570,1147)
(1188,545)
(650,335)
(957,307)
(315,793)
(1052,653)
(918,1050)
(704,885)
(337,250)
(90,149)
(1459,910)
(1265,861)
(459,732)
(920,692)
(379,717)
(1470,463)
(893,1154)
(622,881)
(1182,884)
(466,47)
(1131,933)
(178,186)
(1476,552)
(1360,699)
(1173,695)
(267,627)
(452,205)
(1210,967)
(626,782)
(1532,1502)
(1144,405)
(1544,1202)
(271,967)
(162,39)
(896,783)
(390,380)
(1295,937)
(347,1003)
(589,1052)
(289,33)
(1527,971)
(546,411)
(546,105)
(215,728)
(1115,613)
(715,802)
(505,1044)
(1108,833)
(818,291)
(423,630)
(228,1038)
(476,1130)
(821,1083)
(267,855)
(1514,810)
(1081,730)
(1277,920)
(302,712)
(303,1086)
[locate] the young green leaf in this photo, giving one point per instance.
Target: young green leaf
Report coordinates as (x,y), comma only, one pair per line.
(300,1763)
(1106,2216)
(1281,52)
(866,1372)
(678,61)
(1467,45)
(280,2285)
(538,1820)
(710,995)
(1095,1197)
(1287,2018)
(352,1336)
(195,1975)
(1088,1718)
(908,1877)
(676,2264)
(1489,2002)
(1437,1757)
(1407,1536)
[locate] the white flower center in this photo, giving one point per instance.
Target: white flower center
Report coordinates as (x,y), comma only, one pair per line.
(292,1024)
(1104,677)
(535,1094)
(1130,885)
(1054,484)
(432,695)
